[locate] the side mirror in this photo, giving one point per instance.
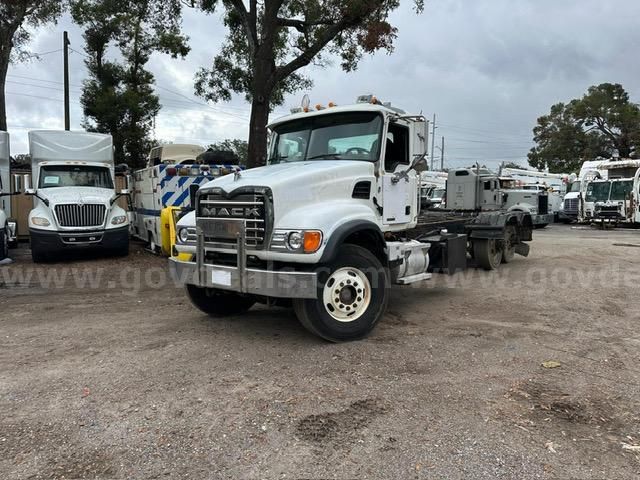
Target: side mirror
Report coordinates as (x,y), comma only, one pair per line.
(27,183)
(124,191)
(17,184)
(420,164)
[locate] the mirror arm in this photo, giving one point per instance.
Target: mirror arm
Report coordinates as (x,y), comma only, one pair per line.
(405,173)
(43,200)
(114,199)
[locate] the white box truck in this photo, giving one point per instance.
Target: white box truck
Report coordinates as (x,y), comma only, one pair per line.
(8,226)
(74,195)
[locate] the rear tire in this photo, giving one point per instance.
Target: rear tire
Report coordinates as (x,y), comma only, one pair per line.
(353,292)
(218,303)
(4,243)
(487,253)
(509,245)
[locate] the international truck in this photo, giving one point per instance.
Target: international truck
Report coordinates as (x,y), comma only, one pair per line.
(74,198)
(332,221)
(571,208)
(8,226)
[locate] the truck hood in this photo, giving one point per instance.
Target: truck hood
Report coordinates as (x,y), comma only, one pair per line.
(86,195)
(299,180)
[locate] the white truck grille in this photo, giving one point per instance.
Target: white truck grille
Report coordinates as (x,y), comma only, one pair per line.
(80,215)
(246,206)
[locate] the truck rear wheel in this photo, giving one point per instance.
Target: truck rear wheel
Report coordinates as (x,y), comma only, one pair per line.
(353,293)
(487,253)
(509,245)
(218,303)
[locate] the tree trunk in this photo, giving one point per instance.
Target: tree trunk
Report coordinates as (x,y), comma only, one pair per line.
(257,151)
(4,67)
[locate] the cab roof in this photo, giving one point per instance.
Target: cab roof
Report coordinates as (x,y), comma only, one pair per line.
(357,107)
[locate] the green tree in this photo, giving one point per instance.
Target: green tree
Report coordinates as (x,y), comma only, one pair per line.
(16,16)
(239,147)
(118,97)
(269,42)
(603,123)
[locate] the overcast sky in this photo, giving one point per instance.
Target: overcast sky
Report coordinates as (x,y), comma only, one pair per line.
(486,68)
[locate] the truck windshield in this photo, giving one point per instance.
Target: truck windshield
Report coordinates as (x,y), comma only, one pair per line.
(340,136)
(75,176)
(598,192)
(621,190)
(574,187)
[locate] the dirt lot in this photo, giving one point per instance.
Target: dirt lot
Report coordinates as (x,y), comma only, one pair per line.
(106,371)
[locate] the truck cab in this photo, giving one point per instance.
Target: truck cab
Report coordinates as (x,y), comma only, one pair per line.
(74,197)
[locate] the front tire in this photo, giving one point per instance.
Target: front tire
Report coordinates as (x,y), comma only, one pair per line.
(353,292)
(38,256)
(218,303)
(4,243)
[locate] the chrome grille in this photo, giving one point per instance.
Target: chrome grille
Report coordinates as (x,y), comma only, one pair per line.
(250,207)
(571,205)
(80,215)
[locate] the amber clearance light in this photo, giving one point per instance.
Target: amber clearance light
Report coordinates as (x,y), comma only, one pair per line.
(312,241)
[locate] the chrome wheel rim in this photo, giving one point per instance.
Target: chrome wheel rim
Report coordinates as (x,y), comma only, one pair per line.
(346,294)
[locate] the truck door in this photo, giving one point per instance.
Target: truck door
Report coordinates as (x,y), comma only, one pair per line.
(635,198)
(399,198)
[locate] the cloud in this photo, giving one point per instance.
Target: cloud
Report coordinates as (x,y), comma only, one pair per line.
(486,68)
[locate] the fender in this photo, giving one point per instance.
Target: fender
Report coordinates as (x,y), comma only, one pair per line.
(341,233)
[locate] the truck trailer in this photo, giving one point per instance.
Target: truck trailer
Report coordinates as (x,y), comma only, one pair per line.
(74,198)
(331,222)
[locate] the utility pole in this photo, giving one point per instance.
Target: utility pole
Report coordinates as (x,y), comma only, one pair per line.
(65,46)
(433,139)
(442,155)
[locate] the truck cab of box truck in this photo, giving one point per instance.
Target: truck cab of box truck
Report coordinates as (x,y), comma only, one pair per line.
(312,226)
(74,196)
(8,226)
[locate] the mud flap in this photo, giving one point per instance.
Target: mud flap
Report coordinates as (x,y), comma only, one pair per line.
(523,249)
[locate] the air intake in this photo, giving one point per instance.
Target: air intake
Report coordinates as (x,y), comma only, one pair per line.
(362,190)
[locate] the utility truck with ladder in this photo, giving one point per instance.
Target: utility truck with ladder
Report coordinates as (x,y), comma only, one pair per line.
(332,221)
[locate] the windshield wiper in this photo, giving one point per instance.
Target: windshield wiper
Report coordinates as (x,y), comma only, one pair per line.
(325,155)
(277,159)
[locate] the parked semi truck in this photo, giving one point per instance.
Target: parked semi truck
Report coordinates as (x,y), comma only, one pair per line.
(614,198)
(8,226)
(332,221)
(74,195)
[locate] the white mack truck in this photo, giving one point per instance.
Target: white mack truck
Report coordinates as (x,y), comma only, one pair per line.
(332,221)
(74,194)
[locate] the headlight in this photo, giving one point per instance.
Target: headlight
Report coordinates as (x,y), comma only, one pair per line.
(183,235)
(40,221)
(118,220)
(295,240)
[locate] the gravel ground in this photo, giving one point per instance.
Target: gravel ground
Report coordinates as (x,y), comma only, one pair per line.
(106,371)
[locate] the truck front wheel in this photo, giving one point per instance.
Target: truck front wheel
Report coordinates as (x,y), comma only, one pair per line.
(353,292)
(218,303)
(4,243)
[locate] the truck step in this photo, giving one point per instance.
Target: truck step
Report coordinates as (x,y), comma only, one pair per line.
(413,278)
